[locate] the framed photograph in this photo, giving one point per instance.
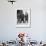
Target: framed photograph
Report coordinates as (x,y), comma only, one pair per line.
(23,17)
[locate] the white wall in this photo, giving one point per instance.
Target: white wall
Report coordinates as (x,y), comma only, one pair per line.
(8,28)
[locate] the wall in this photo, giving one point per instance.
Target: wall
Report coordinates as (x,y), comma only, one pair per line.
(8,28)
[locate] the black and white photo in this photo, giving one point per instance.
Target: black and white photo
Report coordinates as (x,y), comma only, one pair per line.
(23,17)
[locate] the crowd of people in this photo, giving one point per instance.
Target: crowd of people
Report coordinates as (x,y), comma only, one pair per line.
(21,17)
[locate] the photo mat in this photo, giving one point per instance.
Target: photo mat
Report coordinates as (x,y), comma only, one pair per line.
(23,17)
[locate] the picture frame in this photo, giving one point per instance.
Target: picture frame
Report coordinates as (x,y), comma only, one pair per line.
(23,17)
